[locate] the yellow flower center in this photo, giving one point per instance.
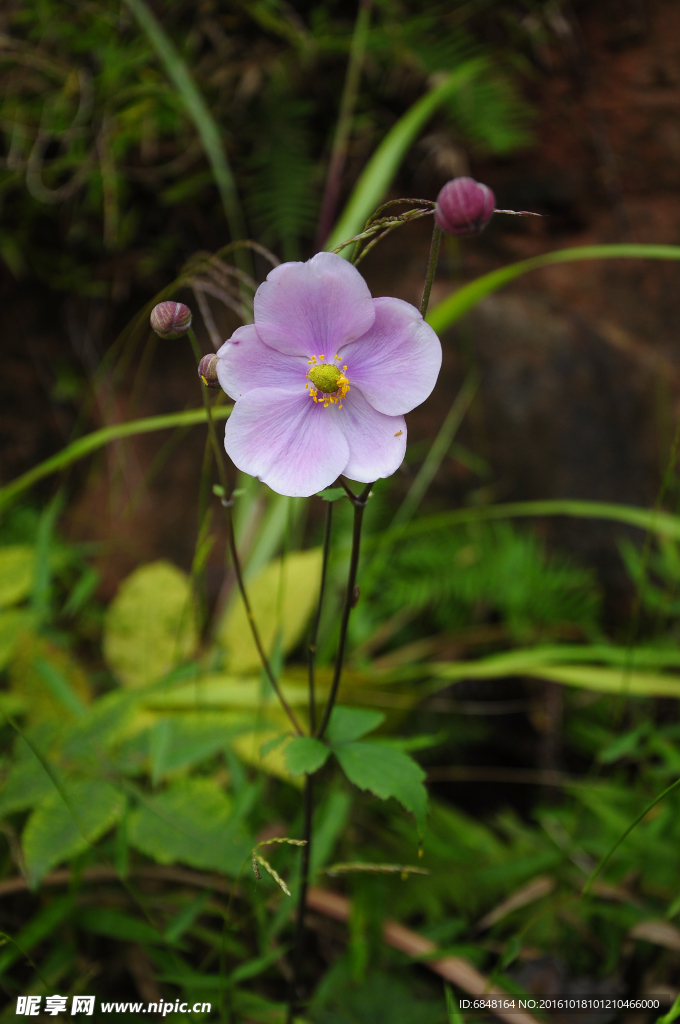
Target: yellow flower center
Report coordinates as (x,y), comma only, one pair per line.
(329,380)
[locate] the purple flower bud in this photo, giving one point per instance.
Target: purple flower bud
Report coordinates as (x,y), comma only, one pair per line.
(207,371)
(170,319)
(464,206)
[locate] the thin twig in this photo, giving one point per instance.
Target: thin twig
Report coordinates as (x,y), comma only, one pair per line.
(317,618)
(431,268)
(302,898)
(359,501)
(231,540)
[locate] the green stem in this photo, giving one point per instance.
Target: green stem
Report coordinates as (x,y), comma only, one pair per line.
(231,540)
(431,268)
(315,628)
(625,835)
(302,899)
(359,501)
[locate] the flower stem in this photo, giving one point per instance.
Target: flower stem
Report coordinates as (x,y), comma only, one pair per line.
(302,898)
(231,541)
(311,657)
(359,501)
(431,268)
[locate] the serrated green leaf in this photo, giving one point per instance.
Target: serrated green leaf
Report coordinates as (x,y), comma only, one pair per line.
(385,772)
(190,823)
(304,754)
(282,597)
(179,742)
(26,785)
(56,831)
(150,624)
(348,724)
(17,563)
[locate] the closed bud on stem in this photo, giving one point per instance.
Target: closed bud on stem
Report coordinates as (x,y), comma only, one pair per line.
(207,371)
(464,206)
(170,319)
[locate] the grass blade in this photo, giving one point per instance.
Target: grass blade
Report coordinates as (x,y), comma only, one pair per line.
(380,170)
(455,306)
(663,524)
(98,439)
(197,108)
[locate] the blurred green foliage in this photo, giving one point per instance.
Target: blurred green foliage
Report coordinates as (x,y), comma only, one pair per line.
(104,179)
(187,771)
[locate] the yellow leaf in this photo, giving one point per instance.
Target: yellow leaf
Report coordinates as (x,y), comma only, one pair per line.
(150,625)
(282,597)
(249,744)
(216,692)
(17,562)
(48,680)
(13,623)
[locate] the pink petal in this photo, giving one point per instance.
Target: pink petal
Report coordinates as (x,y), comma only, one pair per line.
(244,362)
(396,363)
(286,440)
(311,309)
(376,442)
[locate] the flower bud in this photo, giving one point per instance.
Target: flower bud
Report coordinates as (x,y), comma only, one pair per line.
(464,206)
(207,371)
(170,319)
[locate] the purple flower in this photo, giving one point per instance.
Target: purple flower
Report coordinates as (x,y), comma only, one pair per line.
(323,378)
(464,206)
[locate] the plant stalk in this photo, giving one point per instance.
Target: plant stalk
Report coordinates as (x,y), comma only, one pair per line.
(311,657)
(231,540)
(431,268)
(302,898)
(359,501)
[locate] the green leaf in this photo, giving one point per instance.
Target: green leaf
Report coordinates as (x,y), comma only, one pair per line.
(451,309)
(331,493)
(190,823)
(386,772)
(150,625)
(17,563)
(26,785)
(381,169)
(48,678)
(282,597)
(347,724)
(188,739)
(57,830)
(306,754)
